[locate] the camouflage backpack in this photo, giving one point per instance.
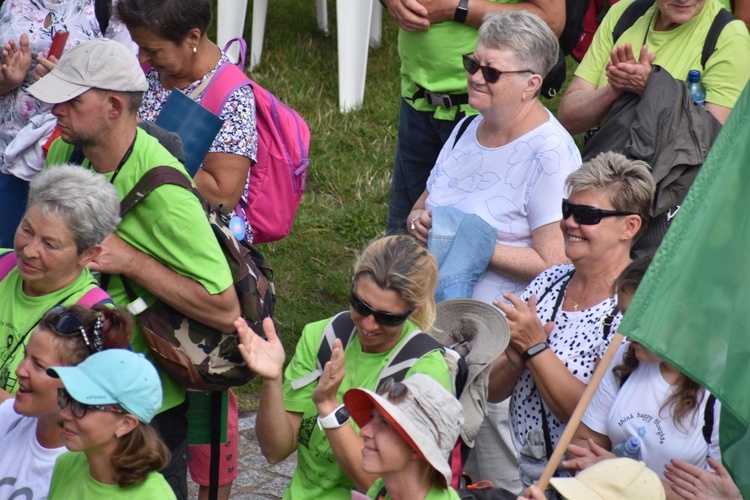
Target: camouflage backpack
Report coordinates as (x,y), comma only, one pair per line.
(191,353)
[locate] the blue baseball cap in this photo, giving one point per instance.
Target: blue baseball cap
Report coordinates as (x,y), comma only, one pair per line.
(114,376)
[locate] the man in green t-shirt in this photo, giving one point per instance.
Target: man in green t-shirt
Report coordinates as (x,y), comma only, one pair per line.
(433,35)
(164,246)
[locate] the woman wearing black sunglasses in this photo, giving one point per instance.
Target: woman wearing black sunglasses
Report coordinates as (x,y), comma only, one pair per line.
(30,436)
(70,212)
(562,322)
(507,168)
(391,296)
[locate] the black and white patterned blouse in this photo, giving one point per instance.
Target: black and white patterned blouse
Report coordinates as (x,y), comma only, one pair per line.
(577,340)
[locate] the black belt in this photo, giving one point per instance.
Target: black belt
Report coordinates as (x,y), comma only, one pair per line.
(446,101)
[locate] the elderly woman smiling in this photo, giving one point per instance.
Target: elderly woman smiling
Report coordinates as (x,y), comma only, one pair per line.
(561,323)
(70,212)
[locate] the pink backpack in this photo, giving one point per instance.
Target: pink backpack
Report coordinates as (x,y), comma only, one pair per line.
(278,178)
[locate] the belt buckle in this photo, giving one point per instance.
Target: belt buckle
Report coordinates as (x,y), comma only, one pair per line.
(435,99)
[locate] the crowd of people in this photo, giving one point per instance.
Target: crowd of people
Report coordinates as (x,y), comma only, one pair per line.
(490,202)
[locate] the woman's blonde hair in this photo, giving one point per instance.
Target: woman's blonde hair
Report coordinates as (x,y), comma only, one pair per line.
(401,264)
(139,453)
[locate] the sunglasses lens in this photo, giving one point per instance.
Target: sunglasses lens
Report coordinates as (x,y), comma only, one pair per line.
(587,216)
(359,306)
(381,318)
(388,319)
(491,75)
(470,65)
(397,393)
(67,323)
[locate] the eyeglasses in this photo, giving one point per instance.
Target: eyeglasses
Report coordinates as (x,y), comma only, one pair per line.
(68,324)
(490,74)
(382,318)
(79,409)
(586,215)
(398,392)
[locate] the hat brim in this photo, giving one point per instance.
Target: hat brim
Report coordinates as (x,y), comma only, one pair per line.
(360,402)
(570,487)
(53,90)
(488,343)
(81,387)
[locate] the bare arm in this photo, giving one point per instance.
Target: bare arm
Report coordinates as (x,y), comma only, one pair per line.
(583,105)
(345,442)
(180,292)
(552,12)
(506,369)
(276,428)
(559,388)
(223,177)
(4,395)
(524,264)
(721,113)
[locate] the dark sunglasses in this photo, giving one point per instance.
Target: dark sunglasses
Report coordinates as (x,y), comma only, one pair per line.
(586,215)
(490,74)
(67,324)
(79,409)
(382,318)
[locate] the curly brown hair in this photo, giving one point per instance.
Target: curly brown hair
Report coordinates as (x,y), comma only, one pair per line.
(687,395)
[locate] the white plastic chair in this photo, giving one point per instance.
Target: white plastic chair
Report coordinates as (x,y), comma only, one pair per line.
(358,24)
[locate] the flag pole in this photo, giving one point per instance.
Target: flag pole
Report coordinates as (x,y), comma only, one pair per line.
(575,417)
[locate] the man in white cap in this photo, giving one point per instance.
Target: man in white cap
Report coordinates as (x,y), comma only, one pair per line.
(164,247)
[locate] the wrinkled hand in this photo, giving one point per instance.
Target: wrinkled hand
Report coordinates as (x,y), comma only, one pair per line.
(585,457)
(325,394)
(264,357)
(116,257)
(16,63)
(410,15)
(439,10)
(422,226)
(44,66)
(695,483)
(624,73)
(526,330)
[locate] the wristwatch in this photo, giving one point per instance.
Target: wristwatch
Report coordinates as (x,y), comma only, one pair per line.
(534,350)
(461,11)
(335,419)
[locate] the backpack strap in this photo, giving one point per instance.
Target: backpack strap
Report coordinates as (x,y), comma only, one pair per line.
(607,322)
(629,16)
(416,345)
(151,180)
(7,263)
(94,297)
(243,50)
(708,417)
(224,82)
(342,328)
(723,18)
(462,128)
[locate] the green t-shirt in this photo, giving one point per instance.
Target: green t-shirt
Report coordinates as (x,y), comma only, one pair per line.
(432,60)
(72,479)
(20,313)
(677,51)
(434,494)
(170,226)
(318,475)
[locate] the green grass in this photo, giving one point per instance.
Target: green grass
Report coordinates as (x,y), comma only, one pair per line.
(346,200)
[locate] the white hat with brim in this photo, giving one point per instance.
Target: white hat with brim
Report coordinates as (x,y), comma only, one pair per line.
(428,418)
(95,64)
(613,479)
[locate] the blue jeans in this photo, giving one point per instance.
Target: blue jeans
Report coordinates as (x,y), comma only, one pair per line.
(420,139)
(462,245)
(14,194)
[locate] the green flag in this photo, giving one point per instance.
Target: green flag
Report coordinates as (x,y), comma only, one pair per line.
(693,307)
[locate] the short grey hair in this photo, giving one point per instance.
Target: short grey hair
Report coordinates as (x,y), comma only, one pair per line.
(533,42)
(83,198)
(628,184)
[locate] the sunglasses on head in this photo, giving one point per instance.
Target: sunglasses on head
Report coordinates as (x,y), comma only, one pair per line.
(490,74)
(68,324)
(382,318)
(78,409)
(586,215)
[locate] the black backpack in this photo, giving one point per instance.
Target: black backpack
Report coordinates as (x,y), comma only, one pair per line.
(575,11)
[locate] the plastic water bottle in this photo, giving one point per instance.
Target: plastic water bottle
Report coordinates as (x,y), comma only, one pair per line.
(630,448)
(696,88)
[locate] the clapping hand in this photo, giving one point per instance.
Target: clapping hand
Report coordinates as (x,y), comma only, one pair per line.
(264,357)
(624,73)
(16,64)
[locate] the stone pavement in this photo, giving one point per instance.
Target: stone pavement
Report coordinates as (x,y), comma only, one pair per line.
(258,479)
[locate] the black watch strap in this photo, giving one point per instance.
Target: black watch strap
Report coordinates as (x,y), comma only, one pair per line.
(461,11)
(534,350)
